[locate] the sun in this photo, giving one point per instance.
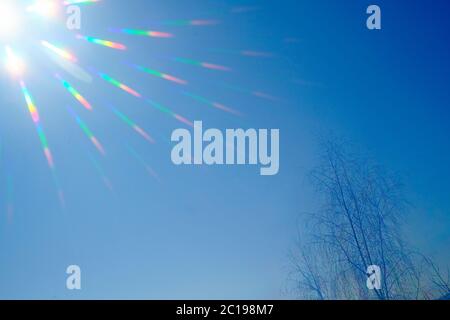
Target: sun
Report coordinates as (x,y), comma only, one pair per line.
(14,18)
(13,13)
(24,29)
(14,64)
(10,19)
(44,8)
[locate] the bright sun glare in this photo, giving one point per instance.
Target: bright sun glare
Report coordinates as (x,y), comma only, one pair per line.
(10,19)
(45,8)
(14,64)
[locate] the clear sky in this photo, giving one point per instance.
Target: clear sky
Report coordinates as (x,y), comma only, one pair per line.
(308,68)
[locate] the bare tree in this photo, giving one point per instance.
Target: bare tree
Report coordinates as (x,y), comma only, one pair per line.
(358,226)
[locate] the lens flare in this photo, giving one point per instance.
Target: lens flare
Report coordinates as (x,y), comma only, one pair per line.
(105,43)
(14,64)
(60,52)
(213,104)
(43,139)
(245,53)
(70,67)
(75,93)
(264,95)
(141,160)
(45,8)
(99,168)
(37,121)
(120,85)
(40,16)
(169,112)
(146,33)
(256,54)
(160,75)
(88,132)
(206,65)
(155,105)
(258,94)
(10,19)
(133,125)
(197,22)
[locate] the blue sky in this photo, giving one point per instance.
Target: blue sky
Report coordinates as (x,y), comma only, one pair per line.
(214,232)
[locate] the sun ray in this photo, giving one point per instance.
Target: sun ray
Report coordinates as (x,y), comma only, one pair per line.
(59,51)
(255,93)
(194,22)
(119,85)
(45,8)
(105,43)
(14,64)
(244,53)
(213,104)
(150,102)
(133,125)
(146,33)
(169,112)
(37,121)
(141,160)
(51,11)
(98,167)
(161,75)
(75,93)
(87,132)
(42,137)
(206,65)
